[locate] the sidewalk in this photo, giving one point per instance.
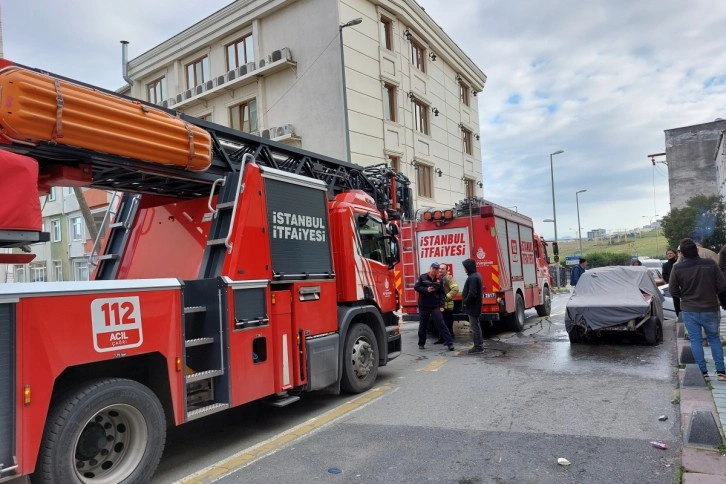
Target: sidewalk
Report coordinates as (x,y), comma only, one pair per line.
(702,464)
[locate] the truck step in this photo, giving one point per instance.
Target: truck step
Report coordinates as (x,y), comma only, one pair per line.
(198,341)
(107,257)
(216,241)
(225,205)
(283,401)
(194,309)
(204,411)
(203,375)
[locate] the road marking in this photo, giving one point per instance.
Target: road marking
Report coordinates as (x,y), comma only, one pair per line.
(435,365)
(273,444)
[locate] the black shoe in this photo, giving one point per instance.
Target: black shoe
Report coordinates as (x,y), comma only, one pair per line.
(475,349)
(439,342)
(421,347)
(451,347)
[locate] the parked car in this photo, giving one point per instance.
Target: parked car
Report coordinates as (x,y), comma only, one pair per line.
(615,299)
(657,275)
(669,310)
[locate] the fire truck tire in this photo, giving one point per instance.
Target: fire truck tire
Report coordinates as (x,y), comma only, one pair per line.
(109,430)
(516,319)
(545,308)
(360,360)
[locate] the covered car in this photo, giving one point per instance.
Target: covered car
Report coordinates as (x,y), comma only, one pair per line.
(615,299)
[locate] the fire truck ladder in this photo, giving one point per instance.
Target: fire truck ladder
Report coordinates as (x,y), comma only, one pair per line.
(118,236)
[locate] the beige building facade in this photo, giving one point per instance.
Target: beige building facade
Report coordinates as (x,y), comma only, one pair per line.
(274,68)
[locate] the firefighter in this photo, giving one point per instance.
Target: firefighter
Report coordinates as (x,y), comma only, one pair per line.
(431,300)
(451,289)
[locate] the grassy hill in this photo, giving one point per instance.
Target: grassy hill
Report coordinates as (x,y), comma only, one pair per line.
(648,244)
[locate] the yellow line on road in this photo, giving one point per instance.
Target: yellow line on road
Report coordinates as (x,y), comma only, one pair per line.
(271,445)
(435,365)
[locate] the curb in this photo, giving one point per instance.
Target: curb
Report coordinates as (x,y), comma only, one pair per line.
(700,463)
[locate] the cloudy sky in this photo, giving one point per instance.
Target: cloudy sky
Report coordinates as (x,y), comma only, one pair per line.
(599,80)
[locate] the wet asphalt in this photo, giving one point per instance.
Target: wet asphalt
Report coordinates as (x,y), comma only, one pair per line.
(503,416)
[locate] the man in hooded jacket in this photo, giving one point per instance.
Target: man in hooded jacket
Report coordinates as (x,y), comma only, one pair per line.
(471,298)
(431,300)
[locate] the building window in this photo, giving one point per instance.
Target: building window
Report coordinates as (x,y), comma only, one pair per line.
(240,52)
(421,116)
(466,141)
(51,194)
(38,273)
(243,116)
(80,269)
(156,90)
(463,93)
(425,181)
(395,163)
(418,55)
(386,32)
(389,102)
(469,188)
(197,72)
(57,270)
(19,273)
(76,226)
(55,230)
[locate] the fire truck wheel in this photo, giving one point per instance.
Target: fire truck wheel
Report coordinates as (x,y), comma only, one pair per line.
(545,308)
(516,319)
(360,361)
(106,431)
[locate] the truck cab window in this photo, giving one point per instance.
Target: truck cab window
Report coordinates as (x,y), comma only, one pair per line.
(370,234)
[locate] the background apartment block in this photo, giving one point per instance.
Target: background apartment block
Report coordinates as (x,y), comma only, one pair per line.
(275,68)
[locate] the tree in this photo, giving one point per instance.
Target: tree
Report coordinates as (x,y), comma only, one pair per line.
(703,217)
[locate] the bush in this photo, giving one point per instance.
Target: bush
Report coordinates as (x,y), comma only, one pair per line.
(601,259)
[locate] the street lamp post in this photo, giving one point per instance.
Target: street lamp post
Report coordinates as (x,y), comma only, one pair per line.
(650,224)
(579,230)
(350,23)
(554,211)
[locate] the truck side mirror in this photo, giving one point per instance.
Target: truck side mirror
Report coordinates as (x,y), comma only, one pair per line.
(394,255)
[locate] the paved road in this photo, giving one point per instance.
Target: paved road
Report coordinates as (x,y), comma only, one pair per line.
(503,416)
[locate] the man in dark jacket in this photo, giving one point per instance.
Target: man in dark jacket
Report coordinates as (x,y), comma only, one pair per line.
(698,287)
(471,299)
(431,300)
(577,271)
(671,258)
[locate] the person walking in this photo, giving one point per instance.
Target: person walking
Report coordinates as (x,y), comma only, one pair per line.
(667,266)
(431,306)
(577,271)
(471,299)
(451,289)
(698,287)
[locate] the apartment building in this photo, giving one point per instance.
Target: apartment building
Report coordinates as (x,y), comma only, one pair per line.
(300,71)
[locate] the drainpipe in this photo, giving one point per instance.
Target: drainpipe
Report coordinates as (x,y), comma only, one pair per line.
(125,62)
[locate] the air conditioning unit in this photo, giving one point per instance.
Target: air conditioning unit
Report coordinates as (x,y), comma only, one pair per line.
(209,85)
(188,94)
(286,129)
(264,61)
(251,66)
(220,80)
(281,54)
(170,102)
(179,98)
(280,131)
(242,71)
(165,103)
(267,133)
(198,89)
(255,133)
(231,75)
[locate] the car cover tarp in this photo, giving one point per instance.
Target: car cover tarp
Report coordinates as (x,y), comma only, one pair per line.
(19,205)
(609,296)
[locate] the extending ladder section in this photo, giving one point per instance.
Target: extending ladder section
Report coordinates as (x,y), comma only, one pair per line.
(118,237)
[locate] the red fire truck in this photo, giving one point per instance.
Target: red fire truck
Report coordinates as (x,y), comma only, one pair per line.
(509,255)
(236,269)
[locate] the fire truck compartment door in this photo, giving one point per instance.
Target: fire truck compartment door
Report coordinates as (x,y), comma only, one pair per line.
(297,215)
(7,388)
(322,361)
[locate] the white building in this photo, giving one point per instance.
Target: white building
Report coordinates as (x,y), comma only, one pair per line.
(274,67)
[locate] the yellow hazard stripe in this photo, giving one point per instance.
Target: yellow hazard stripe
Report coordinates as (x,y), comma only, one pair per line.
(495,278)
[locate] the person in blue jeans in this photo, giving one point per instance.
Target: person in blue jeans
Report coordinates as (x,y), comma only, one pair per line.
(698,288)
